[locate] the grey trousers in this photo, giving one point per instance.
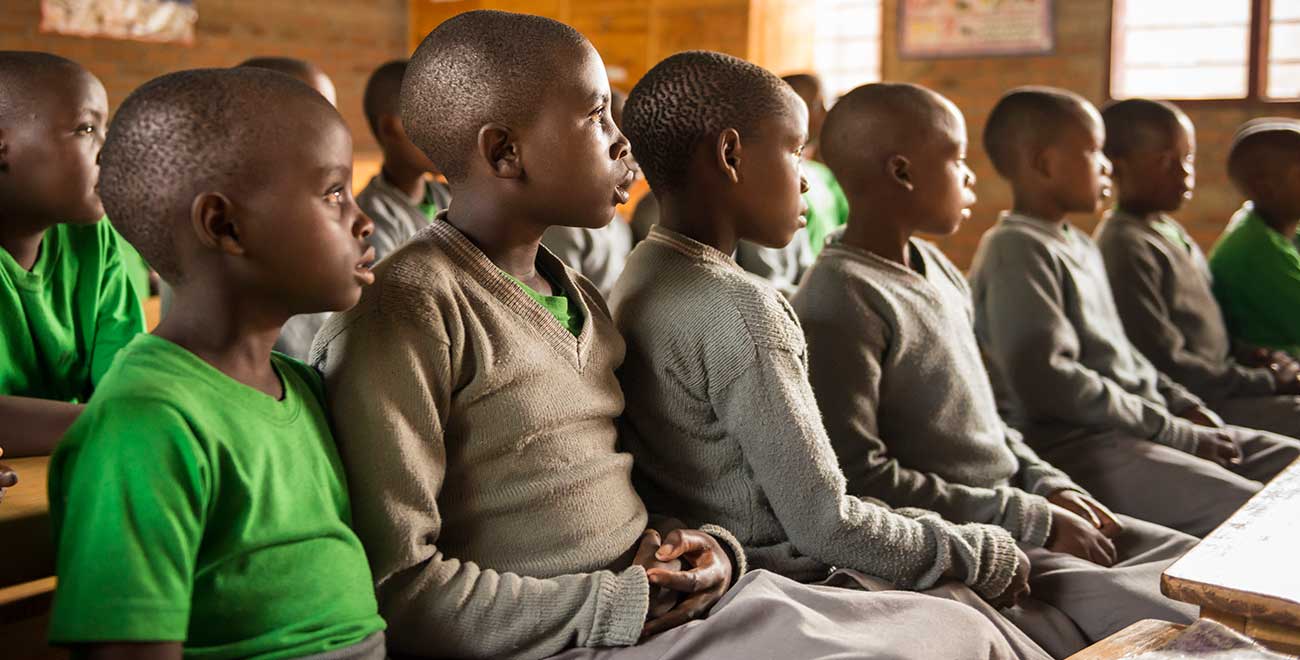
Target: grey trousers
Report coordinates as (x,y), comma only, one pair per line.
(1275,414)
(766,616)
(1168,487)
(370,648)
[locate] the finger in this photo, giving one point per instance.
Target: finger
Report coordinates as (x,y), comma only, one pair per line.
(687,582)
(1106,552)
(648,545)
(1087,513)
(673,546)
(687,610)
(1111,527)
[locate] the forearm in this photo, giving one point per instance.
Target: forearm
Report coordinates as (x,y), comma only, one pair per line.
(33,427)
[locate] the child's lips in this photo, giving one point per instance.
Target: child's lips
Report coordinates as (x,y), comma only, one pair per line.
(362,269)
(622,191)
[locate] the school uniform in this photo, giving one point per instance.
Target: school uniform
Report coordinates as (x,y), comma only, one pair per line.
(1088,401)
(911,413)
(1257,282)
(190,507)
(498,512)
(1162,290)
(396,217)
(828,208)
(598,254)
(63,321)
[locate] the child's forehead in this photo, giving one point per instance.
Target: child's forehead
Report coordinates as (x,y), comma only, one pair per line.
(56,92)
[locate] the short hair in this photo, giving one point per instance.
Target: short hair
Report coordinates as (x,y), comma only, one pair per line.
(24,72)
(290,66)
(806,85)
(690,98)
(383,93)
(1029,118)
(873,122)
(181,134)
(1134,124)
(1258,147)
(478,67)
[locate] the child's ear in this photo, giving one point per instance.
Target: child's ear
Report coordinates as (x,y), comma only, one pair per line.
(728,154)
(499,148)
(1043,161)
(389,128)
(899,168)
(213,221)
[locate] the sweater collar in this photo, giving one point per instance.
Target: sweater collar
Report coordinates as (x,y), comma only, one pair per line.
(1061,232)
(690,247)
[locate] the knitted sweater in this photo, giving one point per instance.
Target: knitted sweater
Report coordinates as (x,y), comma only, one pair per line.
(479,440)
(599,254)
(907,401)
(1162,290)
(724,427)
(1046,319)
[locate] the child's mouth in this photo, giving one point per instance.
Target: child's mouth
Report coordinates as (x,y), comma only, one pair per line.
(362,270)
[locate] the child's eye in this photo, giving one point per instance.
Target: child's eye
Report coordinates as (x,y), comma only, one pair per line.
(86,129)
(597,115)
(335,195)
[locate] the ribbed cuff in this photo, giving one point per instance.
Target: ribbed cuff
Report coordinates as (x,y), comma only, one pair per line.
(1031,515)
(621,607)
(724,536)
(1000,560)
(1179,434)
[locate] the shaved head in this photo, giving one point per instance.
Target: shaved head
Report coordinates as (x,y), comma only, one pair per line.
(1136,124)
(310,74)
(24,74)
(186,133)
(1263,150)
(384,93)
(875,122)
(1027,119)
(806,85)
(481,67)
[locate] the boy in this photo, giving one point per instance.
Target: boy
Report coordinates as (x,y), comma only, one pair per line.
(1166,303)
(66,303)
(1085,398)
(1256,263)
(828,209)
(198,503)
(720,418)
(402,199)
(475,395)
(898,375)
(599,254)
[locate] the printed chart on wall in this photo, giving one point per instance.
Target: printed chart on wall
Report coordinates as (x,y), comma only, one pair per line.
(142,20)
(961,28)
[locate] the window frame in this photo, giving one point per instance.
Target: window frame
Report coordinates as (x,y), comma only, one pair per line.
(1261,12)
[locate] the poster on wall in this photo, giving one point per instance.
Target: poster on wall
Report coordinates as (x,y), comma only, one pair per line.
(962,28)
(169,21)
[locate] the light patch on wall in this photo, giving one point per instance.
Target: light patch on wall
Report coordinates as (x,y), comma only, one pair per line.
(141,20)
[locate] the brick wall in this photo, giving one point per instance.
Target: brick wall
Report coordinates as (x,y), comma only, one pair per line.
(346,38)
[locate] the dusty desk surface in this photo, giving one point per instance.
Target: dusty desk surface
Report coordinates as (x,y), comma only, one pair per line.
(26,544)
(1246,574)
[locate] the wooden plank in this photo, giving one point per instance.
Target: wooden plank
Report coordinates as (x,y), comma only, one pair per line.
(1143,636)
(25,524)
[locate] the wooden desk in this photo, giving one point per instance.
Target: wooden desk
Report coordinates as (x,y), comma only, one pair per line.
(1144,636)
(26,542)
(1245,574)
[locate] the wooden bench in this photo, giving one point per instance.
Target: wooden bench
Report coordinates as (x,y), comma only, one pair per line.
(1143,636)
(1244,574)
(25,524)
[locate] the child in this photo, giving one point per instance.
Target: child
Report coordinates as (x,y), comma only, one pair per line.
(401,199)
(297,333)
(898,375)
(1086,400)
(198,503)
(1166,303)
(475,397)
(599,254)
(828,209)
(1256,263)
(66,303)
(720,418)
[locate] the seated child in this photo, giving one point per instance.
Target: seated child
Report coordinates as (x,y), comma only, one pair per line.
(297,333)
(720,419)
(828,209)
(475,397)
(1166,303)
(1085,398)
(1256,263)
(598,254)
(908,404)
(66,302)
(198,503)
(402,199)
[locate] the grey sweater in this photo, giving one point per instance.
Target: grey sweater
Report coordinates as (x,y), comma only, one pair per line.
(908,404)
(1047,321)
(599,254)
(1162,290)
(396,217)
(724,427)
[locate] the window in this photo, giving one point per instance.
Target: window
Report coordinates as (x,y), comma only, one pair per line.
(1205,49)
(846,52)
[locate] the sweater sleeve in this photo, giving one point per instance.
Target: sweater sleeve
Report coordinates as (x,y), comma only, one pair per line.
(1035,474)
(766,404)
(1035,347)
(845,372)
(1135,267)
(389,381)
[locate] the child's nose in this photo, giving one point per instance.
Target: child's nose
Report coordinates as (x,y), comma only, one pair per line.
(1106,166)
(621,147)
(363,226)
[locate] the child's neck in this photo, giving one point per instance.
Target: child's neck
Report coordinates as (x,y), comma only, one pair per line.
(227,332)
(409,180)
(1039,206)
(1139,210)
(21,238)
(703,222)
(499,233)
(1280,222)
(872,231)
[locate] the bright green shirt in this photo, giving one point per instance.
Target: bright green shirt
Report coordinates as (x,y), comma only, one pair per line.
(1257,282)
(567,312)
(189,507)
(137,271)
(828,208)
(429,206)
(62,322)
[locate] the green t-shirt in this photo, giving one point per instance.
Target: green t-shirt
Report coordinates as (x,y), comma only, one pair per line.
(136,270)
(189,507)
(567,312)
(62,322)
(828,208)
(1257,283)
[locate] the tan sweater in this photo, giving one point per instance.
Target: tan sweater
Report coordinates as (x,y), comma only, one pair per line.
(479,440)
(724,428)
